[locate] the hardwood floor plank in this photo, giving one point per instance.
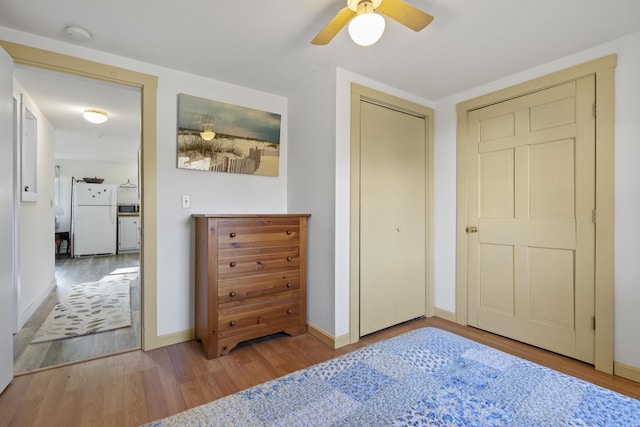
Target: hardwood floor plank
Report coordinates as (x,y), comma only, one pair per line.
(45,394)
(69,415)
(173,399)
(9,406)
(133,388)
(220,382)
(92,406)
(182,369)
(25,414)
(155,399)
(193,393)
(134,393)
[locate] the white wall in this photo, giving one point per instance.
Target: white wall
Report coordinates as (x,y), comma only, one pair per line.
(210,192)
(36,257)
(311,187)
(627,191)
(112,173)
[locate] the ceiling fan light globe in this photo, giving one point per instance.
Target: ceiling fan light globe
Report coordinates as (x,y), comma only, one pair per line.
(366,29)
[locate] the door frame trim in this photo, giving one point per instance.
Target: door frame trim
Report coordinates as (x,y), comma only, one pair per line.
(603,68)
(148,84)
(358,94)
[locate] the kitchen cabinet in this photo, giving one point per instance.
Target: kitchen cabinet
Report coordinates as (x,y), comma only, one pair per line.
(128,233)
(250,278)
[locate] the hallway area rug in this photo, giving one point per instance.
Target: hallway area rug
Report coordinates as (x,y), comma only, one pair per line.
(90,308)
(426,377)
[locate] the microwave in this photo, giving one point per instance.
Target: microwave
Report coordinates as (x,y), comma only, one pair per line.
(128,208)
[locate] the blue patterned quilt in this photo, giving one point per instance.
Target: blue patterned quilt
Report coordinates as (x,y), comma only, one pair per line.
(427,377)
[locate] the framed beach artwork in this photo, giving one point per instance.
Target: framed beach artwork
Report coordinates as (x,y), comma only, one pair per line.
(219,137)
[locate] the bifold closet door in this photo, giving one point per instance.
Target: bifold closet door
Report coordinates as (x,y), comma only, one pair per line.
(392,217)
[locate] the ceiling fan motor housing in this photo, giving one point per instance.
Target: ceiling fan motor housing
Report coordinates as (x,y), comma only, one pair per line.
(353,4)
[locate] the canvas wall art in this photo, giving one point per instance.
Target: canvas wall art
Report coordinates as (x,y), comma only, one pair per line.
(219,137)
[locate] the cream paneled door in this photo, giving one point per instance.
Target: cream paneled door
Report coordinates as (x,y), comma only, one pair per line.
(392,217)
(532,198)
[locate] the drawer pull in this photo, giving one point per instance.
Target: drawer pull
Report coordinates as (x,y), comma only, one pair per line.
(232,294)
(289,232)
(232,323)
(232,235)
(289,285)
(232,264)
(289,258)
(289,311)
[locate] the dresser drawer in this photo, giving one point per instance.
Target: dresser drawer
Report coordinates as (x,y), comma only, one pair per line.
(236,291)
(240,262)
(248,319)
(252,232)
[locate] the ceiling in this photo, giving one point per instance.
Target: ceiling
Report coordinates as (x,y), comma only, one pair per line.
(265,45)
(62,98)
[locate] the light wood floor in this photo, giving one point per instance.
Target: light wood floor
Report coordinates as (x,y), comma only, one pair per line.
(70,271)
(137,387)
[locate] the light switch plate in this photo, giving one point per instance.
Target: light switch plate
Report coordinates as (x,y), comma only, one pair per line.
(186,201)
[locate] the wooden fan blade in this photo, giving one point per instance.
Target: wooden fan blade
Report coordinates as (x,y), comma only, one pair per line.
(334,26)
(405,14)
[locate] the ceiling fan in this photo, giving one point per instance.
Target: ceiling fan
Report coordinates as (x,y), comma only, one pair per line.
(364,10)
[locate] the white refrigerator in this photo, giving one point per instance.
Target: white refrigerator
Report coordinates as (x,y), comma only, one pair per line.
(94,219)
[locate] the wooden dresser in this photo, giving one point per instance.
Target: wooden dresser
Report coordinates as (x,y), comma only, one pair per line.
(250,278)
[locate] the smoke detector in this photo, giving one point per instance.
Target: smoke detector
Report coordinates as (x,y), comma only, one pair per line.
(76,33)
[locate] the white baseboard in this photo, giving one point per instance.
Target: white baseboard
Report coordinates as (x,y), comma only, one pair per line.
(327,338)
(444,314)
(626,371)
(170,339)
(24,317)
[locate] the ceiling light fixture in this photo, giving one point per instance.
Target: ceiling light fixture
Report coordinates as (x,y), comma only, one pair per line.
(366,27)
(208,135)
(95,116)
